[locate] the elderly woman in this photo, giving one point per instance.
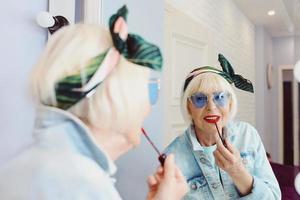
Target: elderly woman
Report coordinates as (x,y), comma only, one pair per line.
(220,158)
(92,89)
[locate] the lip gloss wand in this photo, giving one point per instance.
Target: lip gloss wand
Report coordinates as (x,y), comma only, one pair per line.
(215,121)
(161,156)
(223,139)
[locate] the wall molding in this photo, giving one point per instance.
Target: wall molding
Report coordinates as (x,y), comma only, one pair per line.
(93,12)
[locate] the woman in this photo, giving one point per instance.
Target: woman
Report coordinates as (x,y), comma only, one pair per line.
(217,166)
(92,91)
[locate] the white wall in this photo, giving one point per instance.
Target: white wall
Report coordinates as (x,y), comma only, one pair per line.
(233,38)
(146,19)
(297,49)
(264,109)
(278,51)
(21,43)
(267,133)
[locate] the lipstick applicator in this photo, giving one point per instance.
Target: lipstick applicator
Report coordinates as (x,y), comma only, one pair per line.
(215,121)
(222,139)
(161,156)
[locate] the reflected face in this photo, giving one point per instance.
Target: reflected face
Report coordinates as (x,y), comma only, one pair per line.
(209,108)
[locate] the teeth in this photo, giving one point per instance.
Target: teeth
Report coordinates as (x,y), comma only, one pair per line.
(211,117)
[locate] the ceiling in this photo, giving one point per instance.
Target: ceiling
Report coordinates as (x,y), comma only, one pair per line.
(285,22)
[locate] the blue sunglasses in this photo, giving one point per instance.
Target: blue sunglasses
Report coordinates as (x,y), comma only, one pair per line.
(200,100)
(154,87)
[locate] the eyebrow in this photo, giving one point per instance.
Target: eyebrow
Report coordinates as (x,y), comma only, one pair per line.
(208,93)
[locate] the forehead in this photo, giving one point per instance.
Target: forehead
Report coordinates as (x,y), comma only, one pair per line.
(208,83)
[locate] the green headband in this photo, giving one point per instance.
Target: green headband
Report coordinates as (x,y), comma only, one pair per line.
(71,89)
(227,73)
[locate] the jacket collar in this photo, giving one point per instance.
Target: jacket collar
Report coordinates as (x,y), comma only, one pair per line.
(60,129)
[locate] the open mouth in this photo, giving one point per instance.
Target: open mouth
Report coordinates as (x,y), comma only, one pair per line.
(212,119)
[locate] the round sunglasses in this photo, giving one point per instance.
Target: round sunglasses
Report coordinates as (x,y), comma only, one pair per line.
(200,99)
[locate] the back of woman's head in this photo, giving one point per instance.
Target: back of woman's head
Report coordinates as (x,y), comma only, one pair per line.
(69,51)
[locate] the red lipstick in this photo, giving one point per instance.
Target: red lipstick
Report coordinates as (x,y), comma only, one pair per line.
(212,119)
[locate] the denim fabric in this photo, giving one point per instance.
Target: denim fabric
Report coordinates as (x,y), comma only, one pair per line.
(63,163)
(207,181)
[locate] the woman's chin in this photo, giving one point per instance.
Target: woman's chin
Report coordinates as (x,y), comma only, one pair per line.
(134,138)
(136,142)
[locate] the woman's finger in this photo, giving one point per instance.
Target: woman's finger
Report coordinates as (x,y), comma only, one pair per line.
(169,167)
(230,147)
(151,181)
(219,164)
(160,170)
(220,160)
(158,177)
(178,174)
(223,150)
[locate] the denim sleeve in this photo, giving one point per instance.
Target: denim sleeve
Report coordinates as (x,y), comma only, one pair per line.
(77,191)
(265,185)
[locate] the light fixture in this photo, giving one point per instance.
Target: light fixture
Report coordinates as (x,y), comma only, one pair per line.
(44,19)
(297,71)
(271,12)
(53,23)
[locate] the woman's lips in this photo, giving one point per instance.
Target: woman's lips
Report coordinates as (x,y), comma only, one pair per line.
(212,119)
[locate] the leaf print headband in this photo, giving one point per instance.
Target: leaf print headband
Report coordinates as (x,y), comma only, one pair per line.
(71,89)
(227,73)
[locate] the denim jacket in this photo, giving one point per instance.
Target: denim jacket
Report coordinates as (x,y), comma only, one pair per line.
(207,181)
(63,163)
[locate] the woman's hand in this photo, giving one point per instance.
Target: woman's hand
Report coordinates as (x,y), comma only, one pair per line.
(230,161)
(167,183)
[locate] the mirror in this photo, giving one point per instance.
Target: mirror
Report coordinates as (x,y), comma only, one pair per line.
(259,38)
(280,21)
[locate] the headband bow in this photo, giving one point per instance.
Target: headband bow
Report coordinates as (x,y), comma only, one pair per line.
(71,89)
(135,48)
(227,73)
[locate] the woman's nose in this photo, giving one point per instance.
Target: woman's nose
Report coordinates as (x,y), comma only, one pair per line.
(211,104)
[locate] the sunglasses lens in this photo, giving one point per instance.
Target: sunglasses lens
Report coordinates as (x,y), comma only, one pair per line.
(221,98)
(153,92)
(199,100)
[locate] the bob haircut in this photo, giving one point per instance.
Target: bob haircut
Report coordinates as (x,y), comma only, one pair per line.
(117,101)
(207,82)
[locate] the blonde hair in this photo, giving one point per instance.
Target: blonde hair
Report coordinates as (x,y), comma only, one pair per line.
(115,100)
(207,82)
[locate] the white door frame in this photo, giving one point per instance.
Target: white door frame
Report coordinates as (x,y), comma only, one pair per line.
(295,115)
(93,12)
